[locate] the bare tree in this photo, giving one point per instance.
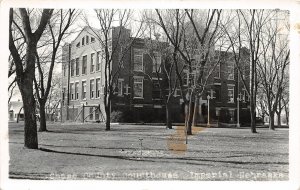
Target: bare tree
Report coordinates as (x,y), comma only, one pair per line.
(162,63)
(25,73)
(47,55)
(115,43)
(182,30)
(272,65)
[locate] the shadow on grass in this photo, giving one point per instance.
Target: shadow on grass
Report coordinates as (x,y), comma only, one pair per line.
(238,153)
(166,159)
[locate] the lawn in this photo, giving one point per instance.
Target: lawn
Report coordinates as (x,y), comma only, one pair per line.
(141,152)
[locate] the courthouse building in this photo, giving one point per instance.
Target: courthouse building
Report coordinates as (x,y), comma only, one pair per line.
(137,94)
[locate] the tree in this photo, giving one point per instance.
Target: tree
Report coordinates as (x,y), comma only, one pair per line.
(115,43)
(183,31)
(57,30)
(273,64)
(247,32)
(25,74)
(162,63)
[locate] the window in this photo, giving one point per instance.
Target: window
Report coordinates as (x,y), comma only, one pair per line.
(92,90)
(63,96)
(92,62)
(138,60)
(99,61)
(77,90)
(82,41)
(230,94)
(156,90)
(177,92)
(84,64)
(92,39)
(83,90)
(245,96)
(78,44)
(77,66)
(218,71)
(98,87)
(120,87)
(87,39)
(189,78)
(72,91)
(72,67)
(138,87)
(230,68)
(64,70)
(218,93)
(156,62)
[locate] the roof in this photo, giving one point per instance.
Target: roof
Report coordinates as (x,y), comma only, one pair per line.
(85,29)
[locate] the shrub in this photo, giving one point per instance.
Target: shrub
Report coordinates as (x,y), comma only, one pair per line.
(116,116)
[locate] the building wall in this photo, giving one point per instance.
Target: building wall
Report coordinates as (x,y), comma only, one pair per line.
(145,109)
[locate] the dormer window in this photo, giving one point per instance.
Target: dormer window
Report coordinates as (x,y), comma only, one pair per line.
(82,41)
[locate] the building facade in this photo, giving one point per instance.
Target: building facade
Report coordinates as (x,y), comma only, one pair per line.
(137,92)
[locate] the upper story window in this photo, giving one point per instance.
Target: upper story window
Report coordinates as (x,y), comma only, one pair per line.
(92,62)
(83,87)
(78,44)
(77,90)
(87,39)
(156,92)
(189,78)
(99,61)
(230,94)
(92,39)
(156,62)
(230,70)
(92,88)
(138,87)
(77,66)
(72,67)
(218,70)
(72,91)
(84,64)
(98,87)
(82,41)
(138,59)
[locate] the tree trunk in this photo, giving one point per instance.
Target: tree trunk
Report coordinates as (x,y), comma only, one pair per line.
(279,119)
(107,121)
(168,116)
(189,116)
(195,114)
(271,121)
(18,116)
(253,119)
(30,127)
(43,126)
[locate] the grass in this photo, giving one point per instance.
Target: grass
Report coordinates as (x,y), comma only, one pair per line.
(141,152)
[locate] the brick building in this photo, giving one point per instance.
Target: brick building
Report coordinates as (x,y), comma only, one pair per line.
(135,95)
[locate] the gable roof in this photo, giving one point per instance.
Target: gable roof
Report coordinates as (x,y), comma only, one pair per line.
(84,29)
